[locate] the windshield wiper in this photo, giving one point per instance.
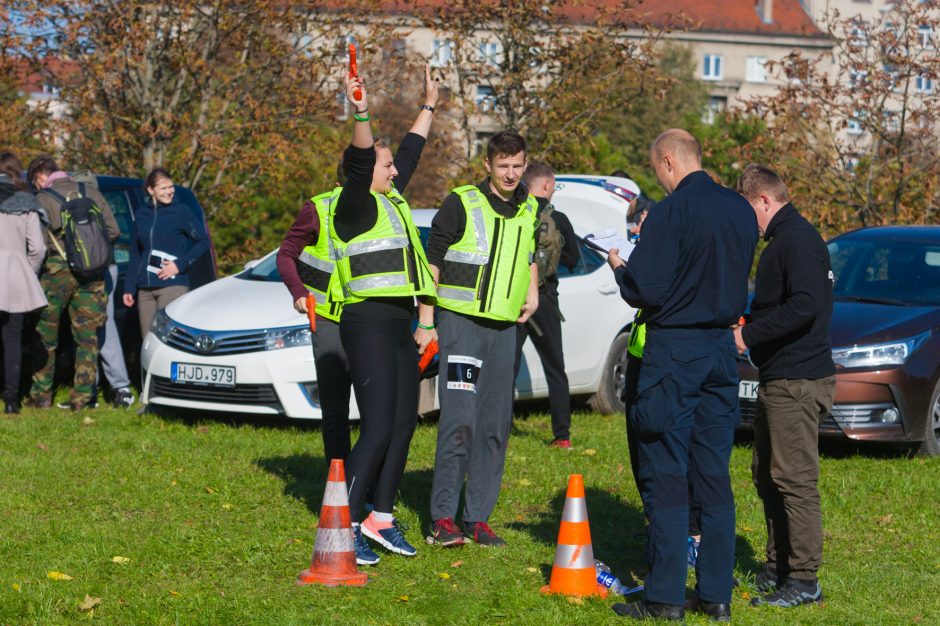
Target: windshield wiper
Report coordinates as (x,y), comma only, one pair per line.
(892,301)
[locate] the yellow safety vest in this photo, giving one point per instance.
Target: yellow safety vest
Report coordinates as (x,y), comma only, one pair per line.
(385,261)
(486,273)
(316,264)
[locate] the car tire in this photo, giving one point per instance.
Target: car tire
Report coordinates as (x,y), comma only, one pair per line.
(607,400)
(931,444)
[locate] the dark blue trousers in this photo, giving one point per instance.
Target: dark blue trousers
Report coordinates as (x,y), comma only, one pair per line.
(685,414)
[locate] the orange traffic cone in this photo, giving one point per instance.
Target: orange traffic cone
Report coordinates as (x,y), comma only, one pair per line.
(573,573)
(334,553)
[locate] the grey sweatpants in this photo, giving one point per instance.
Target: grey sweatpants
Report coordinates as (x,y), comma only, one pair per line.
(475,387)
(109,341)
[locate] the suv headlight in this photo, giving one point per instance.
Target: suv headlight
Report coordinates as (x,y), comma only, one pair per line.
(287,338)
(162,325)
(878,354)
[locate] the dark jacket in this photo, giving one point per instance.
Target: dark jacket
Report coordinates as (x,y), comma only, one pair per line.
(690,267)
(171,228)
(788,333)
(570,251)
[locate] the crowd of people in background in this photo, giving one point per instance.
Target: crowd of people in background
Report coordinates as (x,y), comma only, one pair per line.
(57,263)
(486,282)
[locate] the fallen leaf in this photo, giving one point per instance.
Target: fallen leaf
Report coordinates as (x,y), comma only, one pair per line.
(589,452)
(120,560)
(403,598)
(575,600)
(520,518)
(747,529)
(87,421)
(444,575)
(746,595)
(89,603)
(58,576)
(523,482)
(175,594)
(886,519)
(172,483)
(210,490)
(456,564)
(202,429)
(228,507)
(16,587)
(531,569)
(42,446)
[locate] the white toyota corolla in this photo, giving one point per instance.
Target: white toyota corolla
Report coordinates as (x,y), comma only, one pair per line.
(237,345)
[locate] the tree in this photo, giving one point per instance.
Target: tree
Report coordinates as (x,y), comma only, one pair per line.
(856,130)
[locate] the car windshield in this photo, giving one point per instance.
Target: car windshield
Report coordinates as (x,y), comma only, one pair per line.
(265,270)
(886,272)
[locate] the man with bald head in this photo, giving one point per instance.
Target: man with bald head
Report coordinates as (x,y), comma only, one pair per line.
(688,275)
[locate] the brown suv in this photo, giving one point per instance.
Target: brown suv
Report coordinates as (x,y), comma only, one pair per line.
(885,338)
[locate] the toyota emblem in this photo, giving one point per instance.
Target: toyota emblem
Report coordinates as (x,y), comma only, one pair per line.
(205,343)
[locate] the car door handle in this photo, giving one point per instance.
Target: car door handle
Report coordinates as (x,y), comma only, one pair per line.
(608,289)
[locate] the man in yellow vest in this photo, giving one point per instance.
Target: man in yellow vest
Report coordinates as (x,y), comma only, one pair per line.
(481,255)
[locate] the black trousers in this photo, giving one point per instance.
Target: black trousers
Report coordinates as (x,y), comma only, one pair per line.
(12,353)
(545,332)
(383,363)
(333,384)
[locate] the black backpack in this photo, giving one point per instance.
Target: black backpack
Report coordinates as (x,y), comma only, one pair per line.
(87,244)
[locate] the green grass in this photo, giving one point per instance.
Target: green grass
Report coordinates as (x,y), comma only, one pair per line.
(218,518)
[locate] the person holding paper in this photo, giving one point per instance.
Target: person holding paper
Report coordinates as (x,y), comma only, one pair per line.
(167,239)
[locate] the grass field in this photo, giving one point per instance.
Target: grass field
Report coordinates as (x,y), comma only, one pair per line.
(212,521)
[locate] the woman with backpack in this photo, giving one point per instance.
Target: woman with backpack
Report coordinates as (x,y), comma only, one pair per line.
(21,254)
(167,239)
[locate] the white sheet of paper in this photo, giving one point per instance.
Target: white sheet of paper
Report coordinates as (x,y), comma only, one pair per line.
(612,238)
(158,255)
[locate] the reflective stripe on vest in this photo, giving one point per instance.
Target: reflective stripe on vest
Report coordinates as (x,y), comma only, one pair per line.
(486,273)
(387,260)
(316,265)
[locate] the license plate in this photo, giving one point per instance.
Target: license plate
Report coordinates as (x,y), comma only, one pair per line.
(213,375)
(747,389)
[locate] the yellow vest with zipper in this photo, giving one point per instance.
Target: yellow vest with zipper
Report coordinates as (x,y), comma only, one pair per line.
(316,264)
(486,273)
(385,261)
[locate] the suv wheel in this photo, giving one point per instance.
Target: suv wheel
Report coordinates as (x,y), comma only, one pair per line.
(607,400)
(931,443)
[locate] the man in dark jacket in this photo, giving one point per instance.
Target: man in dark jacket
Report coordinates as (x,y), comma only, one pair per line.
(788,336)
(688,275)
(557,245)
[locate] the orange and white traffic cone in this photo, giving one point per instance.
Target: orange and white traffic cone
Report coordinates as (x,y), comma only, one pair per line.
(334,551)
(573,573)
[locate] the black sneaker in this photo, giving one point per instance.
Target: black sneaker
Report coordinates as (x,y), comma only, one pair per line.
(793,593)
(650,611)
(768,579)
(123,398)
(444,532)
(481,533)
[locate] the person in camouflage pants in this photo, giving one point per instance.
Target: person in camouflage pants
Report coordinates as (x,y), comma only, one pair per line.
(86,302)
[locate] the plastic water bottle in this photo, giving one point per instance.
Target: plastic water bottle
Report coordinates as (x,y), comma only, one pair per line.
(605,578)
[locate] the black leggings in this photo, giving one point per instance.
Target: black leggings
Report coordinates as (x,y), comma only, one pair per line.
(383,363)
(12,353)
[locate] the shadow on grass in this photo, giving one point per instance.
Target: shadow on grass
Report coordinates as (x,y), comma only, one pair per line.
(304,477)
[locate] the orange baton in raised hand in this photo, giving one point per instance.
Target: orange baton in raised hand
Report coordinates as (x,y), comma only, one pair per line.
(312,312)
(354,70)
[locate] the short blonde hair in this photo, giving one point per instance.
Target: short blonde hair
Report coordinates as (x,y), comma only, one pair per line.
(757,179)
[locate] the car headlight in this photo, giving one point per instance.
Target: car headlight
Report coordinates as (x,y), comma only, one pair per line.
(878,354)
(162,325)
(287,338)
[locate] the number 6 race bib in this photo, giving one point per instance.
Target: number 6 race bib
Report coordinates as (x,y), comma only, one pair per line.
(463,372)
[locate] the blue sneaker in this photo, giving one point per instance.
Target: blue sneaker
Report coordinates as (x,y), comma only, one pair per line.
(387,535)
(364,554)
(692,555)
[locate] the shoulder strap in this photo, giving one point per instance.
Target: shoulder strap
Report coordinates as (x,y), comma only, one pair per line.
(81,190)
(55,194)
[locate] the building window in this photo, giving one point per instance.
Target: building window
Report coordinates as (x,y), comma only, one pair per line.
(858,78)
(755,70)
(442,51)
(491,53)
(892,121)
(924,84)
(715,106)
(485,98)
(854,126)
(482,139)
(712,67)
(926,36)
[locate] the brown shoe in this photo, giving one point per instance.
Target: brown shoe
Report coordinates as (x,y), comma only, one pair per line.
(38,403)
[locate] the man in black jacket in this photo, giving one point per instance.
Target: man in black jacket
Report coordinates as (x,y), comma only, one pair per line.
(788,336)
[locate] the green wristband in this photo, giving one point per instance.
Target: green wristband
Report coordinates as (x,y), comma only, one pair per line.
(423,327)
(361,118)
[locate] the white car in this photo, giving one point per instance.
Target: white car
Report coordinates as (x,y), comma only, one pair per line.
(237,345)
